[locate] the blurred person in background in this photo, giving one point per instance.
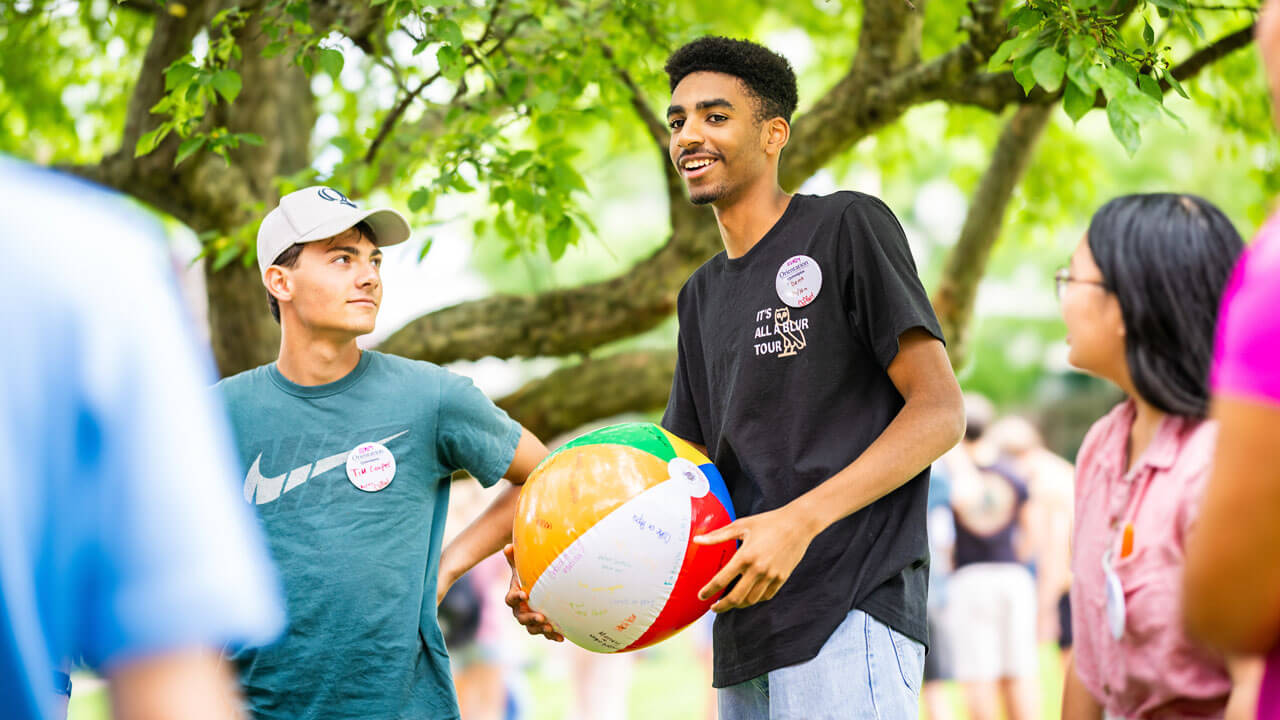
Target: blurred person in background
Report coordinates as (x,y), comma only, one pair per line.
(1050,481)
(473,618)
(1232,583)
(1139,301)
(123,540)
(991,597)
(939,663)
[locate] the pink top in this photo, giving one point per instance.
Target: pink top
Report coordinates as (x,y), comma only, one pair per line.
(1154,670)
(1247,364)
(1247,361)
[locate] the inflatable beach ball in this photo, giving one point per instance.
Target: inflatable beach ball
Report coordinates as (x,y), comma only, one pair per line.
(604,536)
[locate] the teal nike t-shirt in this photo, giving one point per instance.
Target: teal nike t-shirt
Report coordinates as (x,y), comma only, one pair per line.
(359,566)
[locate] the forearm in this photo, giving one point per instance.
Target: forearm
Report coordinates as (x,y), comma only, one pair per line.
(1246,683)
(193,683)
(1077,702)
(922,431)
(486,535)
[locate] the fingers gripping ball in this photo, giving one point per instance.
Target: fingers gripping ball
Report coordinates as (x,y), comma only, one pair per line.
(604,536)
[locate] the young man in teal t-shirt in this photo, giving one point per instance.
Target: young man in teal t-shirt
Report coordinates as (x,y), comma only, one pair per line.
(347,457)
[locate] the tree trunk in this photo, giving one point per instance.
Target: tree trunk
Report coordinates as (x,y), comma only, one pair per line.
(967,262)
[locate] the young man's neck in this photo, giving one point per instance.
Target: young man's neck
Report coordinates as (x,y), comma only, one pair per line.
(746,218)
(307,359)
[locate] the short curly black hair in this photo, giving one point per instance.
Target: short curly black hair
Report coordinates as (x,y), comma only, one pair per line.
(766,74)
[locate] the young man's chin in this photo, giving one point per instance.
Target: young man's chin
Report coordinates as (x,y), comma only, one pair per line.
(705,196)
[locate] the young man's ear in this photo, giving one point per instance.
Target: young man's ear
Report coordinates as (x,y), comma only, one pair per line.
(278,283)
(774,134)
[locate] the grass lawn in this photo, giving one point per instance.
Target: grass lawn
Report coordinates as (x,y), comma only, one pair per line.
(668,682)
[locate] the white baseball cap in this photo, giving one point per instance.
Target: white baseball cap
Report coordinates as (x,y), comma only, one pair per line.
(320,212)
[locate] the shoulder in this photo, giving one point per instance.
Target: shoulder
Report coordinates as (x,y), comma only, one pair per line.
(854,205)
(1098,440)
(693,288)
(409,376)
(1198,438)
(237,387)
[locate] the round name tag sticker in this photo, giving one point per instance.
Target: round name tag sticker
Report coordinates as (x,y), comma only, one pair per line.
(371,466)
(799,281)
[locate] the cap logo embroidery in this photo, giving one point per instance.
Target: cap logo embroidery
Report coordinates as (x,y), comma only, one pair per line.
(334,196)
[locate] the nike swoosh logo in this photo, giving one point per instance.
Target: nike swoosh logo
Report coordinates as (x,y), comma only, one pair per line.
(269,488)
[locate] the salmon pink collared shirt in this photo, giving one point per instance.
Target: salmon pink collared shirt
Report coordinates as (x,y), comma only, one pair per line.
(1154,670)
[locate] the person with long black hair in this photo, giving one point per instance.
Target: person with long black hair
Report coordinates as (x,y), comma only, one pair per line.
(1139,301)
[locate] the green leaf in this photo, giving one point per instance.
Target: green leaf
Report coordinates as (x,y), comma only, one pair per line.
(273,49)
(1148,34)
(1011,49)
(558,238)
(225,256)
(426,248)
(1195,25)
(448,31)
(149,141)
(1113,82)
(227,83)
(1048,67)
(566,176)
(1177,86)
(179,75)
(419,199)
(1025,77)
(188,148)
(248,138)
(1150,87)
(331,61)
(1080,46)
(1076,102)
(1170,4)
(1078,73)
(1124,127)
(457,182)
(450,61)
(1025,18)
(1138,106)
(1177,118)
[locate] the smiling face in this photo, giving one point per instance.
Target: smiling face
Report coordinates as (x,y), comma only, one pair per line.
(718,143)
(334,288)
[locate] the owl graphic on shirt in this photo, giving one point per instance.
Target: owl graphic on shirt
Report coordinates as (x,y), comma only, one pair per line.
(791,335)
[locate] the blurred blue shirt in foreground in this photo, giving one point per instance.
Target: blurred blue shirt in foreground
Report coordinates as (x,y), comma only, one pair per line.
(122,533)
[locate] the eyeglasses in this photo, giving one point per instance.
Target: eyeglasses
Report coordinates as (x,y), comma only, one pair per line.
(1063,276)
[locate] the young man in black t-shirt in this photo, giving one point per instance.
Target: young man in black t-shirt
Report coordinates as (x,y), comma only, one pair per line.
(811,370)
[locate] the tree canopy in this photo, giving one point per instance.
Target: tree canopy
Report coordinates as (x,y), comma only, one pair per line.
(210,110)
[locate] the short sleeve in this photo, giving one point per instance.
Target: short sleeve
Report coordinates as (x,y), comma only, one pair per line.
(1247,358)
(175,558)
(883,293)
(681,416)
(475,435)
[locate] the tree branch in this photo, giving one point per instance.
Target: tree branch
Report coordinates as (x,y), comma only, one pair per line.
(595,388)
(967,263)
(865,100)
(1212,53)
(561,322)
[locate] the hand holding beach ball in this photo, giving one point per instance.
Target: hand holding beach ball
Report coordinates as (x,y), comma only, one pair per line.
(604,536)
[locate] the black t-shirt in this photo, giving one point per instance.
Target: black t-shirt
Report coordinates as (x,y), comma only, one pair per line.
(1003,496)
(785,397)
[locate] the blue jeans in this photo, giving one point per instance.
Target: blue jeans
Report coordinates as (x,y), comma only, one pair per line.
(865,670)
